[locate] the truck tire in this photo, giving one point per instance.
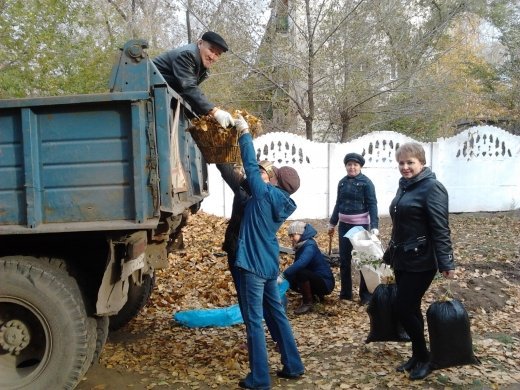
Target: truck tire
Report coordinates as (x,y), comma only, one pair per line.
(44,332)
(91,345)
(137,298)
(102,335)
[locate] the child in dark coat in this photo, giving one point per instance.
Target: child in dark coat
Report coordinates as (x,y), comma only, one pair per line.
(310,274)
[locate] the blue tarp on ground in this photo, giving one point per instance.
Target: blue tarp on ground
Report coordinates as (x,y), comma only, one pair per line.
(220,316)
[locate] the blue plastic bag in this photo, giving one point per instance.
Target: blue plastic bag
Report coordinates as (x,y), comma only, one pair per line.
(199,318)
(220,316)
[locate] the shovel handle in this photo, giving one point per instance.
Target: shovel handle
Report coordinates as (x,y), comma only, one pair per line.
(330,245)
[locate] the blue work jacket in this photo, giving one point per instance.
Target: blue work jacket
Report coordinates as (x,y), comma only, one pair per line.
(266,210)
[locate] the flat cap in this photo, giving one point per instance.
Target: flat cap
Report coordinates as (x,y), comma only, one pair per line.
(213,37)
(354,157)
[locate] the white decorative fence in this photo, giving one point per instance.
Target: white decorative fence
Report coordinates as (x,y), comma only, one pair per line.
(480,168)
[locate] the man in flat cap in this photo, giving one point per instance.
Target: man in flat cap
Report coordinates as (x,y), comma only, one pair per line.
(185,67)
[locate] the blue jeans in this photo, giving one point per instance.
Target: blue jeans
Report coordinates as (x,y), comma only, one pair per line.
(259,296)
(235,273)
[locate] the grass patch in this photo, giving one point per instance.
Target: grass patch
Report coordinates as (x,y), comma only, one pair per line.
(503,338)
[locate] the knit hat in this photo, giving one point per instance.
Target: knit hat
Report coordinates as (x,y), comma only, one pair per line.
(213,37)
(354,157)
(267,166)
(296,227)
(287,179)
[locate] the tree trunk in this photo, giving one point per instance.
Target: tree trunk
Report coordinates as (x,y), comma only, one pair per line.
(345,124)
(308,128)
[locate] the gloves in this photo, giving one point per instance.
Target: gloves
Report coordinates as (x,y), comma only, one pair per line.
(330,229)
(375,232)
(241,125)
(224,118)
(280,279)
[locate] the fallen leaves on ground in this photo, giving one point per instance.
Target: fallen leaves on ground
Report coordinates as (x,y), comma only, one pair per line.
(331,339)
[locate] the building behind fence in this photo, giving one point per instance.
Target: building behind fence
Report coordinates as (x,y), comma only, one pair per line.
(480,168)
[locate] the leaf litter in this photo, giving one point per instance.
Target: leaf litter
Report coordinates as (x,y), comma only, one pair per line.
(331,339)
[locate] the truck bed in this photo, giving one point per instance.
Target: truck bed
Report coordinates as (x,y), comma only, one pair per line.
(88,162)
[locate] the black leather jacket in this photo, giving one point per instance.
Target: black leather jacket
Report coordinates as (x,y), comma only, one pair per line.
(420,228)
(183,71)
(241,192)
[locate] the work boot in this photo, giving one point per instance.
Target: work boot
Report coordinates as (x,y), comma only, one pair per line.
(408,365)
(421,370)
(306,291)
(303,308)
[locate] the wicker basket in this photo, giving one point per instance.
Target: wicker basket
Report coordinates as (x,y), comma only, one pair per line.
(224,154)
(219,145)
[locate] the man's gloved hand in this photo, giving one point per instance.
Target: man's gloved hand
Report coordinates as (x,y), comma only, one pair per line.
(241,125)
(330,229)
(375,232)
(224,118)
(280,279)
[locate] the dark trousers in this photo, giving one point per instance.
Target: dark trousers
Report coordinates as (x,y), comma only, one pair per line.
(318,286)
(411,287)
(345,265)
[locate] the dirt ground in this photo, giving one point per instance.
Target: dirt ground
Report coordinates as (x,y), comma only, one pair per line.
(152,351)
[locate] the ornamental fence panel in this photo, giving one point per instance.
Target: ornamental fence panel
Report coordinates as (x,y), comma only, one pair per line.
(480,168)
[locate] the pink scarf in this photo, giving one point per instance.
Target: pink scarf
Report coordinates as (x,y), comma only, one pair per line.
(355,219)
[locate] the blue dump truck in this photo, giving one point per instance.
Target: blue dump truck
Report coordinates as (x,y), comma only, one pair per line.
(93,191)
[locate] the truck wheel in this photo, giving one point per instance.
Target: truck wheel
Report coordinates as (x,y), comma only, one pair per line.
(44,331)
(137,298)
(91,345)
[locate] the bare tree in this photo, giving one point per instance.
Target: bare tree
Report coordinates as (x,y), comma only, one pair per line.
(381,60)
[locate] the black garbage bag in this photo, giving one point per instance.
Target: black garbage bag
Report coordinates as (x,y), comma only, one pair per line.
(450,335)
(384,325)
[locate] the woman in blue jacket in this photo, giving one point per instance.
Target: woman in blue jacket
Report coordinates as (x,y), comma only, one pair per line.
(257,260)
(310,274)
(356,205)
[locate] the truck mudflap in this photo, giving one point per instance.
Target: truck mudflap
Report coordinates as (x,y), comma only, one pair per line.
(131,264)
(138,296)
(127,263)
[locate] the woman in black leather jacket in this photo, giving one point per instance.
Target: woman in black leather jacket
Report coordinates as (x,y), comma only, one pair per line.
(420,246)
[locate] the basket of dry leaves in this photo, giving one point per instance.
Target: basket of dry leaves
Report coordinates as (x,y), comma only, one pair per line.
(219,145)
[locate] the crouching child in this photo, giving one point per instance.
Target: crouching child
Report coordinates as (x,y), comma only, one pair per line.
(310,274)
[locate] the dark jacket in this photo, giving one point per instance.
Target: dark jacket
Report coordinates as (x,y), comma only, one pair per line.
(265,211)
(420,227)
(241,195)
(309,256)
(356,195)
(183,71)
